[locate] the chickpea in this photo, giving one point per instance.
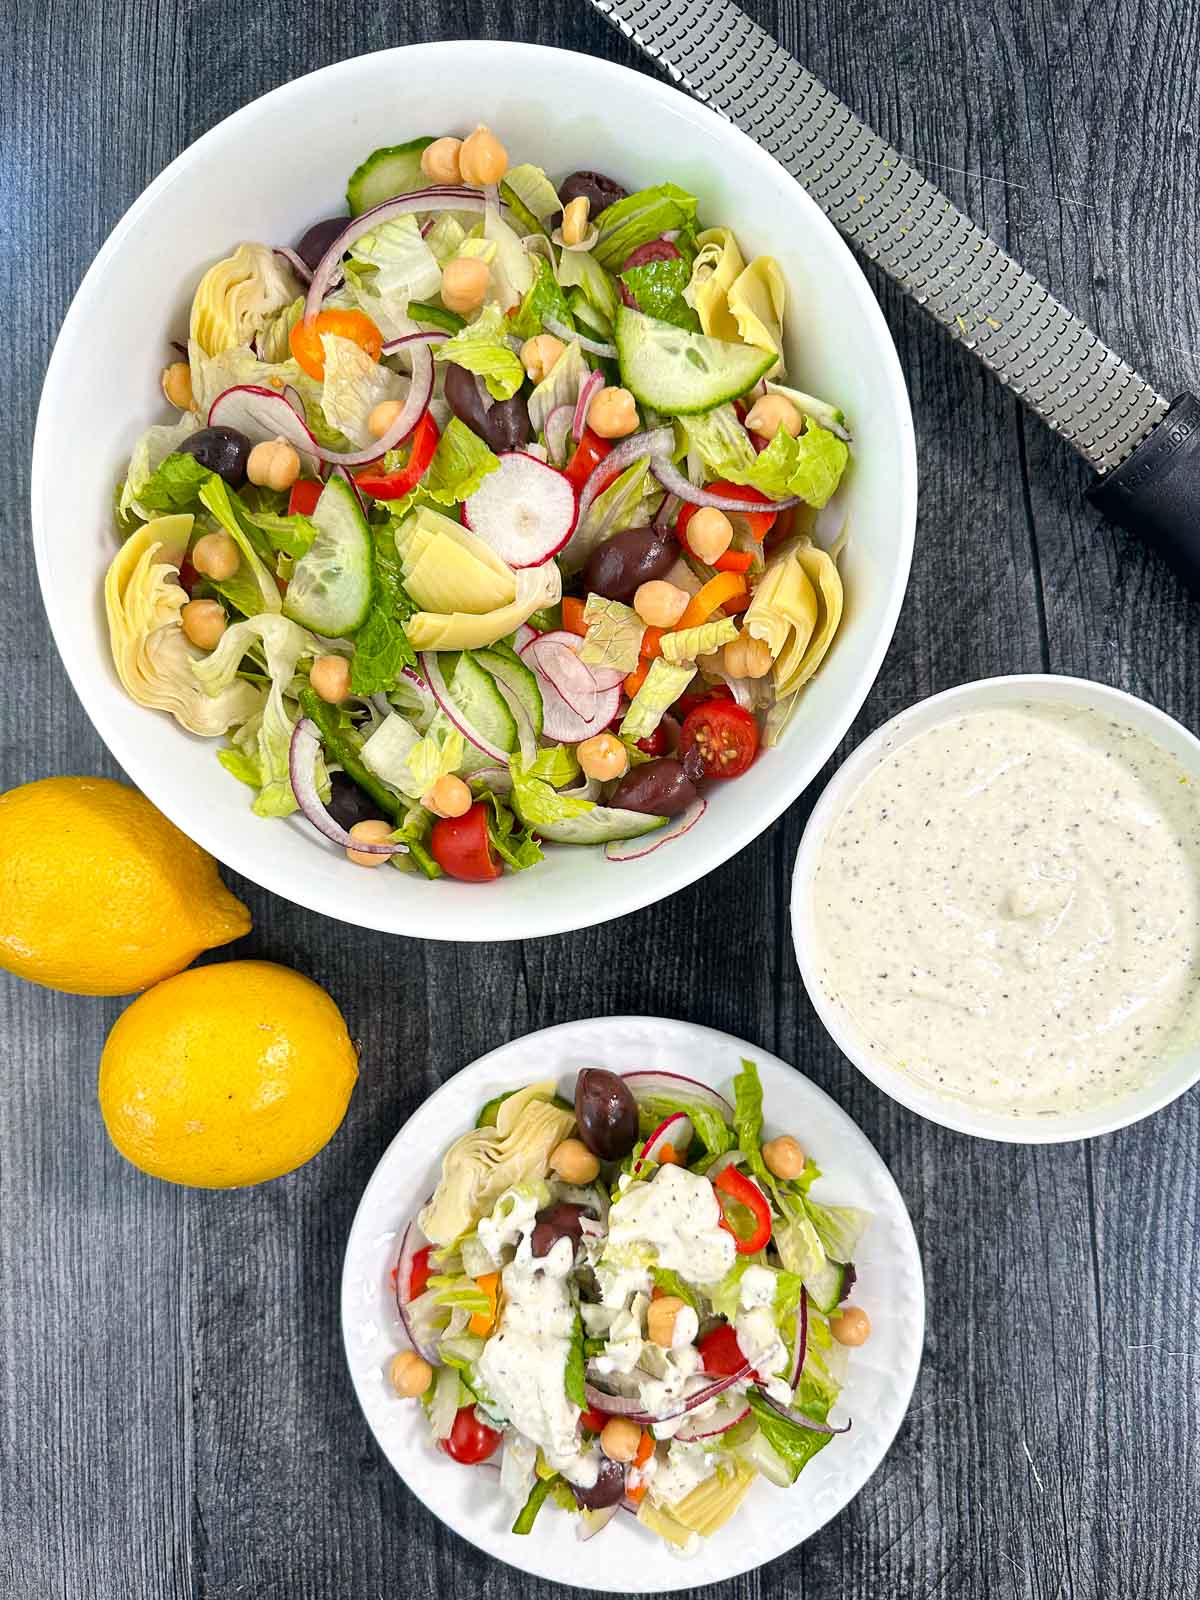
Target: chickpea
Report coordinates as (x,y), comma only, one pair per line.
(410,1374)
(177,384)
(214,555)
(330,678)
(783,1156)
(612,414)
(371,832)
(539,354)
(439,161)
(482,159)
(747,657)
(449,797)
(574,1162)
(709,534)
(620,1438)
(772,412)
(575,220)
(464,283)
(274,465)
(203,623)
(382,416)
(602,757)
(660,604)
(660,1319)
(851,1326)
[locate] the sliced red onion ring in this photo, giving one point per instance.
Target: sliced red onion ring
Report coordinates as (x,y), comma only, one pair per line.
(667,513)
(442,198)
(625,1406)
(407,340)
(740,689)
(635,849)
(559,663)
(652,444)
(558,432)
(590,387)
(441,693)
(590,1523)
(344,474)
(801,1421)
(408,1249)
(297,262)
(567,335)
(801,1336)
(497,779)
(669,475)
(302,757)
(674,1086)
(523,636)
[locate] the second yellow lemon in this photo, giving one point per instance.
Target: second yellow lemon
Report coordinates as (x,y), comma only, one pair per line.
(227,1075)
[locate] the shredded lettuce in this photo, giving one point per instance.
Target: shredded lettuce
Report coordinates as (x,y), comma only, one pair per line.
(444,240)
(401,266)
(690,643)
(810,466)
(151,450)
(663,685)
(354,385)
(459,1294)
(482,347)
(640,217)
(560,386)
(511,841)
(544,299)
(533,189)
(614,634)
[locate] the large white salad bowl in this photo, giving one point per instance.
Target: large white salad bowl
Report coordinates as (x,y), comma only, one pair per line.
(281,163)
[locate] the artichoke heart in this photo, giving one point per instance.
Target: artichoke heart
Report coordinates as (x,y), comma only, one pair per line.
(237,297)
(480,1165)
(143,599)
(757,299)
(717,266)
(711,1504)
(447,569)
(796,611)
(536,587)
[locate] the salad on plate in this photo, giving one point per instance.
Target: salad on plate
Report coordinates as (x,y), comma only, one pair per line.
(487,517)
(629,1303)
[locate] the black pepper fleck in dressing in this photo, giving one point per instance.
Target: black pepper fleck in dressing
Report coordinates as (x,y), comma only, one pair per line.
(1009,908)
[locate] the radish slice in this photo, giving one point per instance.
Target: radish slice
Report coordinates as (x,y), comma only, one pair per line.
(560,721)
(523,636)
(558,434)
(675,483)
(302,757)
(568,674)
(441,693)
(262,413)
(675,1133)
(588,389)
(674,1086)
(728,1414)
(603,677)
(635,849)
(525,511)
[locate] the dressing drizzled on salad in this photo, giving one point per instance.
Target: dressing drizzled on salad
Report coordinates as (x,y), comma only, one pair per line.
(487,517)
(629,1302)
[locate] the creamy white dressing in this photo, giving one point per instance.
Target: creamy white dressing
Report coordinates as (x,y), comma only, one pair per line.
(757,1287)
(759,1341)
(1009,908)
(686,1467)
(678,1217)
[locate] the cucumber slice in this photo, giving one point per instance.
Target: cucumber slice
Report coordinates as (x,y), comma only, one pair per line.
(500,660)
(396,169)
(598,826)
(481,703)
(330,590)
(681,373)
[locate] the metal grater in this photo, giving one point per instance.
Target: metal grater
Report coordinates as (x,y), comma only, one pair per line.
(1149,466)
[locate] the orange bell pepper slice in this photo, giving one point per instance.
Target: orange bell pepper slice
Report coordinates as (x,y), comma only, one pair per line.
(305,338)
(652,642)
(726,589)
(572,615)
(645,1450)
(637,678)
(482,1322)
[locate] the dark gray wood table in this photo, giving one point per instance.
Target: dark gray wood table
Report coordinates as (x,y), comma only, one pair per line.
(175,1418)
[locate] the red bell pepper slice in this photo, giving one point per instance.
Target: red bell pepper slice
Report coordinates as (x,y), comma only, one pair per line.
(757,523)
(304,496)
(735,1188)
(395,485)
(589,453)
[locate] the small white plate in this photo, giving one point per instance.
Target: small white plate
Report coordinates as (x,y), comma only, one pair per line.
(625,1558)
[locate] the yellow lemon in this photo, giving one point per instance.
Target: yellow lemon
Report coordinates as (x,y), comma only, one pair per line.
(226,1075)
(99,893)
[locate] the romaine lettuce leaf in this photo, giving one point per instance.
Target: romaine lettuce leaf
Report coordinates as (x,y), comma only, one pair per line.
(544,299)
(482,347)
(533,189)
(689,644)
(671,1283)
(640,217)
(512,842)
(795,1446)
(720,441)
(713,1132)
(242,764)
(810,466)
(460,464)
(381,646)
(616,507)
(175,484)
(152,449)
(459,1293)
(614,634)
(560,386)
(661,688)
(258,591)
(536,802)
(556,765)
(658,287)
(748,1119)
(577,269)
(289,536)
(512,269)
(354,385)
(573,1376)
(821,411)
(839,1228)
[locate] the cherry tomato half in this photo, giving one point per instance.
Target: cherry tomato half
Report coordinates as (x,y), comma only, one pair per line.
(720,1352)
(594,1421)
(461,846)
(304,495)
(725,736)
(688,702)
(305,338)
(419,1273)
(470,1441)
(589,453)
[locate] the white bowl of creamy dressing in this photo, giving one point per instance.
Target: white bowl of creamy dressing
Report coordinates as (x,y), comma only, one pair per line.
(996,908)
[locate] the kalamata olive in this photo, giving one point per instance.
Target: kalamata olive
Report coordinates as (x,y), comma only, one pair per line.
(504,425)
(617,568)
(316,240)
(608,1489)
(606,1112)
(559,1221)
(660,788)
(601,191)
(656,250)
(348,803)
(224,451)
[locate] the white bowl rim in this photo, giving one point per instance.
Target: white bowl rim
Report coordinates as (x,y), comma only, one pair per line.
(240,853)
(960,1117)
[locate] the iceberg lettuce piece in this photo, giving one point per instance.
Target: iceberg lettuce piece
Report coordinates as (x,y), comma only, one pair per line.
(810,465)
(405,267)
(720,441)
(460,464)
(482,347)
(687,645)
(149,453)
(533,189)
(512,269)
(354,385)
(663,685)
(614,635)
